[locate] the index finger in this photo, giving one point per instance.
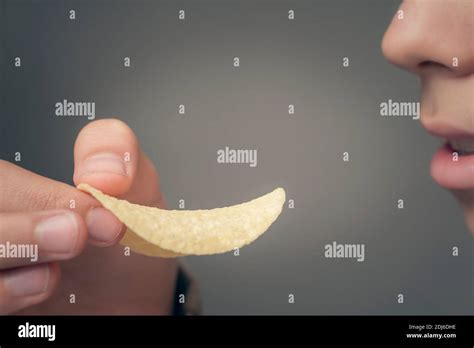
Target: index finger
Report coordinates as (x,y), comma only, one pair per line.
(23,190)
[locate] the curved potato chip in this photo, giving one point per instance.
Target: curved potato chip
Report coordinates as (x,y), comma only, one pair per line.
(141,246)
(170,233)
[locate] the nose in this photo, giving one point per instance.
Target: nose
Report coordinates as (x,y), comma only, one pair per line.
(428,36)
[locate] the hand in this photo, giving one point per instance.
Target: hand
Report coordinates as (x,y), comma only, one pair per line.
(36,210)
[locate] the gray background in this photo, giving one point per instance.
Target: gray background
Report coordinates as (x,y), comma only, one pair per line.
(282,62)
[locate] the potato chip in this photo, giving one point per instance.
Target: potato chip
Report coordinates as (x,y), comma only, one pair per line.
(171,233)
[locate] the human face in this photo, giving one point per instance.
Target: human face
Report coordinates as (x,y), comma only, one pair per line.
(435,40)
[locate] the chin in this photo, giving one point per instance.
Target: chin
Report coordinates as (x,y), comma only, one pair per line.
(466,198)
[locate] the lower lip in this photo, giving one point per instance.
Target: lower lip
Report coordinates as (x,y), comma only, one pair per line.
(455,175)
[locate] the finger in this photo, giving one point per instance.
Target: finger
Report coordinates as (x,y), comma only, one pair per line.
(27,286)
(107,155)
(40,237)
(23,190)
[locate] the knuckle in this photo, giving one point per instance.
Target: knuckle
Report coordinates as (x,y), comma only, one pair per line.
(49,200)
(43,199)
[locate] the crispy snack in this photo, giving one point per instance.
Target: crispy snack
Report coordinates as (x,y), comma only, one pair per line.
(171,233)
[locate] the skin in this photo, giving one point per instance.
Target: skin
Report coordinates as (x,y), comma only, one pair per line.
(424,43)
(93,266)
(102,279)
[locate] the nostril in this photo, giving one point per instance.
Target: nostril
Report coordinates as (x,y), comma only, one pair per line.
(431,64)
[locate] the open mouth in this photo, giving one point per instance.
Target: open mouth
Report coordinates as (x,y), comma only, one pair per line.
(453,164)
(464,147)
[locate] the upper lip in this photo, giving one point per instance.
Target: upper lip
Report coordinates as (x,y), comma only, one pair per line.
(446,130)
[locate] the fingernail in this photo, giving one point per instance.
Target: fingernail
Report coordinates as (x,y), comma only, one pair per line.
(103,163)
(27,281)
(102,225)
(57,234)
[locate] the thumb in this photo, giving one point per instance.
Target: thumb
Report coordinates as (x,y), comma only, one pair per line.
(107,155)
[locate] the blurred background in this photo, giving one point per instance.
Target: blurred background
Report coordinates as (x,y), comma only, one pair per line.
(337,109)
